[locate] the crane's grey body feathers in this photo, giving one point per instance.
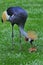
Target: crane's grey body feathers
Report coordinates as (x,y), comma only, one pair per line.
(17,15)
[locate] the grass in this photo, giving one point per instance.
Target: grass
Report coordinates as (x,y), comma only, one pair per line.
(34,22)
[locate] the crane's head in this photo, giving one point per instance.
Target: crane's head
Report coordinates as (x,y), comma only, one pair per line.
(32,35)
(5,16)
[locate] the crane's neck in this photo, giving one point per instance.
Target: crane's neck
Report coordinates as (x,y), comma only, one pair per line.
(24,33)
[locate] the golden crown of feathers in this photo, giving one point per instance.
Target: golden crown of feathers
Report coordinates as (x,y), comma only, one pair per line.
(32,35)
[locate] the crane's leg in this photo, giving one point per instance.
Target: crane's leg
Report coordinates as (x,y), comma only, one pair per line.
(12,38)
(20,40)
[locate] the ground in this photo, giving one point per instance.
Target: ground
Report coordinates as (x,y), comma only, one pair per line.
(34,22)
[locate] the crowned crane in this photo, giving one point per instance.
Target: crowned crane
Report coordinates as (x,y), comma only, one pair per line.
(16,15)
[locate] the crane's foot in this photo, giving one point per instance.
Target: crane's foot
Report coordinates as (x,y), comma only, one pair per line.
(33,49)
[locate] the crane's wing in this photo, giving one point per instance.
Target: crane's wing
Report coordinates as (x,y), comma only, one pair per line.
(15,19)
